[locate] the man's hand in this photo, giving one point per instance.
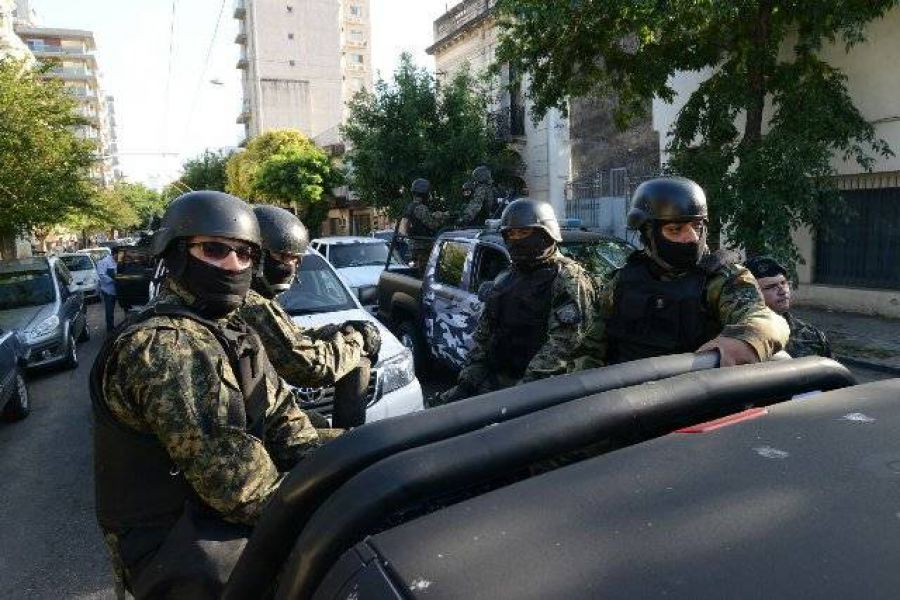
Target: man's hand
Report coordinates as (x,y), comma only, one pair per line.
(371,338)
(732,351)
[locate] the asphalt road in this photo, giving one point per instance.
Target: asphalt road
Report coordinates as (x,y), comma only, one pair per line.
(50,546)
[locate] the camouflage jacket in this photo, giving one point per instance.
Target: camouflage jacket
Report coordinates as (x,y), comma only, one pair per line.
(423,223)
(732,296)
(805,339)
(482,199)
(167,376)
(303,357)
(572,306)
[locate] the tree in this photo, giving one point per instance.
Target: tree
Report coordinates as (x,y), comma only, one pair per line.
(122,207)
(45,170)
(207,171)
(285,168)
(758,134)
(413,127)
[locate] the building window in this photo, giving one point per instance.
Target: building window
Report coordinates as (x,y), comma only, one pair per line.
(292,63)
(356,10)
(290,36)
(357,59)
(358,84)
(356,35)
(290,8)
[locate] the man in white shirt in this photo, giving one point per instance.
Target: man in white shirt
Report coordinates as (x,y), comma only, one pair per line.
(106,269)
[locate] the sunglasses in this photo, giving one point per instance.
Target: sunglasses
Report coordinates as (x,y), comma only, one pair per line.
(221,250)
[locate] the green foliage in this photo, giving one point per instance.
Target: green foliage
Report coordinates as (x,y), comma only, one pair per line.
(412,127)
(45,171)
(123,206)
(205,172)
(764,175)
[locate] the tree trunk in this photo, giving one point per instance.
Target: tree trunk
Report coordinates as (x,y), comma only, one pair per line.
(756,75)
(7,245)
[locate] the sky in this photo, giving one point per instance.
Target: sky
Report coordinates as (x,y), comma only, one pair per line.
(156,67)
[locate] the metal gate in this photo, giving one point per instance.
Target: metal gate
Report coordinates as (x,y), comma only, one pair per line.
(602,200)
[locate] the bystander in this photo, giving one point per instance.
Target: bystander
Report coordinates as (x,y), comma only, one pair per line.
(106,269)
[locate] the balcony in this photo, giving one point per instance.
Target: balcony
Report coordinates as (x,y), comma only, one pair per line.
(56,50)
(240,9)
(71,73)
(242,62)
(244,115)
(240,38)
(510,123)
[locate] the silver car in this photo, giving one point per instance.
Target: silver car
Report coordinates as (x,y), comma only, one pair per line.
(84,274)
(38,302)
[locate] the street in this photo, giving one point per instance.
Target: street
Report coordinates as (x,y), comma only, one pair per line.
(52,546)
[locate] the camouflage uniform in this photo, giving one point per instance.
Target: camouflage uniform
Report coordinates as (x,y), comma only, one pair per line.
(735,304)
(303,357)
(422,227)
(573,298)
(480,206)
(805,339)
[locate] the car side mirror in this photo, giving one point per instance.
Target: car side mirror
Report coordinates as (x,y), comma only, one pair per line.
(484,290)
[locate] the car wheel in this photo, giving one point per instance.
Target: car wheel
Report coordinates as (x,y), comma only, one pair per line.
(412,339)
(72,353)
(19,405)
(85,332)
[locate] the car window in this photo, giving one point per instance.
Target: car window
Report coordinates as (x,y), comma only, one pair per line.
(65,277)
(317,290)
(489,262)
(599,257)
(451,263)
(26,288)
(77,263)
(358,254)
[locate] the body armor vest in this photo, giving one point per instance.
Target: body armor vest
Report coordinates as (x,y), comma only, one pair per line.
(137,483)
(414,227)
(653,317)
(519,306)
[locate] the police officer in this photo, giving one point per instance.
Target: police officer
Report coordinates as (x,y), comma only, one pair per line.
(675,295)
(339,355)
(771,276)
(193,428)
(536,311)
(422,223)
(480,206)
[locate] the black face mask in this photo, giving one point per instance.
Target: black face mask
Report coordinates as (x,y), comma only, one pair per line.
(679,255)
(218,291)
(531,251)
(278,275)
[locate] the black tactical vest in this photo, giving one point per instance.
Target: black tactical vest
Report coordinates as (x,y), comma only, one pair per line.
(519,306)
(136,482)
(653,317)
(414,227)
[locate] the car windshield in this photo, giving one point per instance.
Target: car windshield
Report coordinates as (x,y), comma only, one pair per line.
(317,290)
(25,288)
(77,263)
(600,257)
(357,254)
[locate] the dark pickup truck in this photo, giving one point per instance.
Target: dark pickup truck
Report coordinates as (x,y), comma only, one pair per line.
(436,316)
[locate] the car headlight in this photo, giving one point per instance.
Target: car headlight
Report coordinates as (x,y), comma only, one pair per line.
(46,328)
(397,372)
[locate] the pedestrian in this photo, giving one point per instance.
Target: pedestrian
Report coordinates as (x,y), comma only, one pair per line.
(535,312)
(675,295)
(106,271)
(805,339)
(193,428)
(480,206)
(422,223)
(334,355)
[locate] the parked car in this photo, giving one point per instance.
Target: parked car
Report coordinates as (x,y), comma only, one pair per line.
(14,400)
(359,261)
(436,316)
(320,296)
(37,301)
(84,274)
(401,247)
(135,267)
(96,253)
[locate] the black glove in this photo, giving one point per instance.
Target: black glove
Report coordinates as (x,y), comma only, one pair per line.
(371,338)
(325,332)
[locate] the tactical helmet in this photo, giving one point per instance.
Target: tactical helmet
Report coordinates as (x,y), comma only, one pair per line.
(468,187)
(420,187)
(666,199)
(206,213)
(280,230)
(482,174)
(526,212)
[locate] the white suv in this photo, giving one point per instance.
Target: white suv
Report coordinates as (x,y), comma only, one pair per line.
(359,261)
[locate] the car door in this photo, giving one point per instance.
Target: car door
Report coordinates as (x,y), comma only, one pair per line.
(447,321)
(8,360)
(70,309)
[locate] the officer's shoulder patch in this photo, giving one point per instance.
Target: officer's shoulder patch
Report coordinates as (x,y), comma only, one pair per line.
(569,314)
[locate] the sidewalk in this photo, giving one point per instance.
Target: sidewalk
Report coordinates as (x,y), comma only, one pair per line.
(870,342)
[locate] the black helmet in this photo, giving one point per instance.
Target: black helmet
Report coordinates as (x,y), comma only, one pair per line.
(281,231)
(468,188)
(666,199)
(481,174)
(420,187)
(526,212)
(206,213)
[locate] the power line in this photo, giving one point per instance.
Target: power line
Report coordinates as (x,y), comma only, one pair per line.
(165,128)
(200,81)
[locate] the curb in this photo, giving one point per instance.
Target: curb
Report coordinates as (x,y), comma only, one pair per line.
(867,364)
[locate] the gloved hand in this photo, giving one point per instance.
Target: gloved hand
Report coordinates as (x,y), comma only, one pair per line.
(371,338)
(326,332)
(732,351)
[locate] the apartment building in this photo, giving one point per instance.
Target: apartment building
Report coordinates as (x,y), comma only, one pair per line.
(302,61)
(11,45)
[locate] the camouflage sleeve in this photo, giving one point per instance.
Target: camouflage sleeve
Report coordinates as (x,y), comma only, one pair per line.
(591,352)
(163,381)
(474,205)
(476,369)
(426,216)
(289,434)
(743,313)
(572,307)
(297,357)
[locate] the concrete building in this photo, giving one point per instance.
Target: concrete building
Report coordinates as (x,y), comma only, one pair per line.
(11,45)
(467,35)
(858,268)
(302,60)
